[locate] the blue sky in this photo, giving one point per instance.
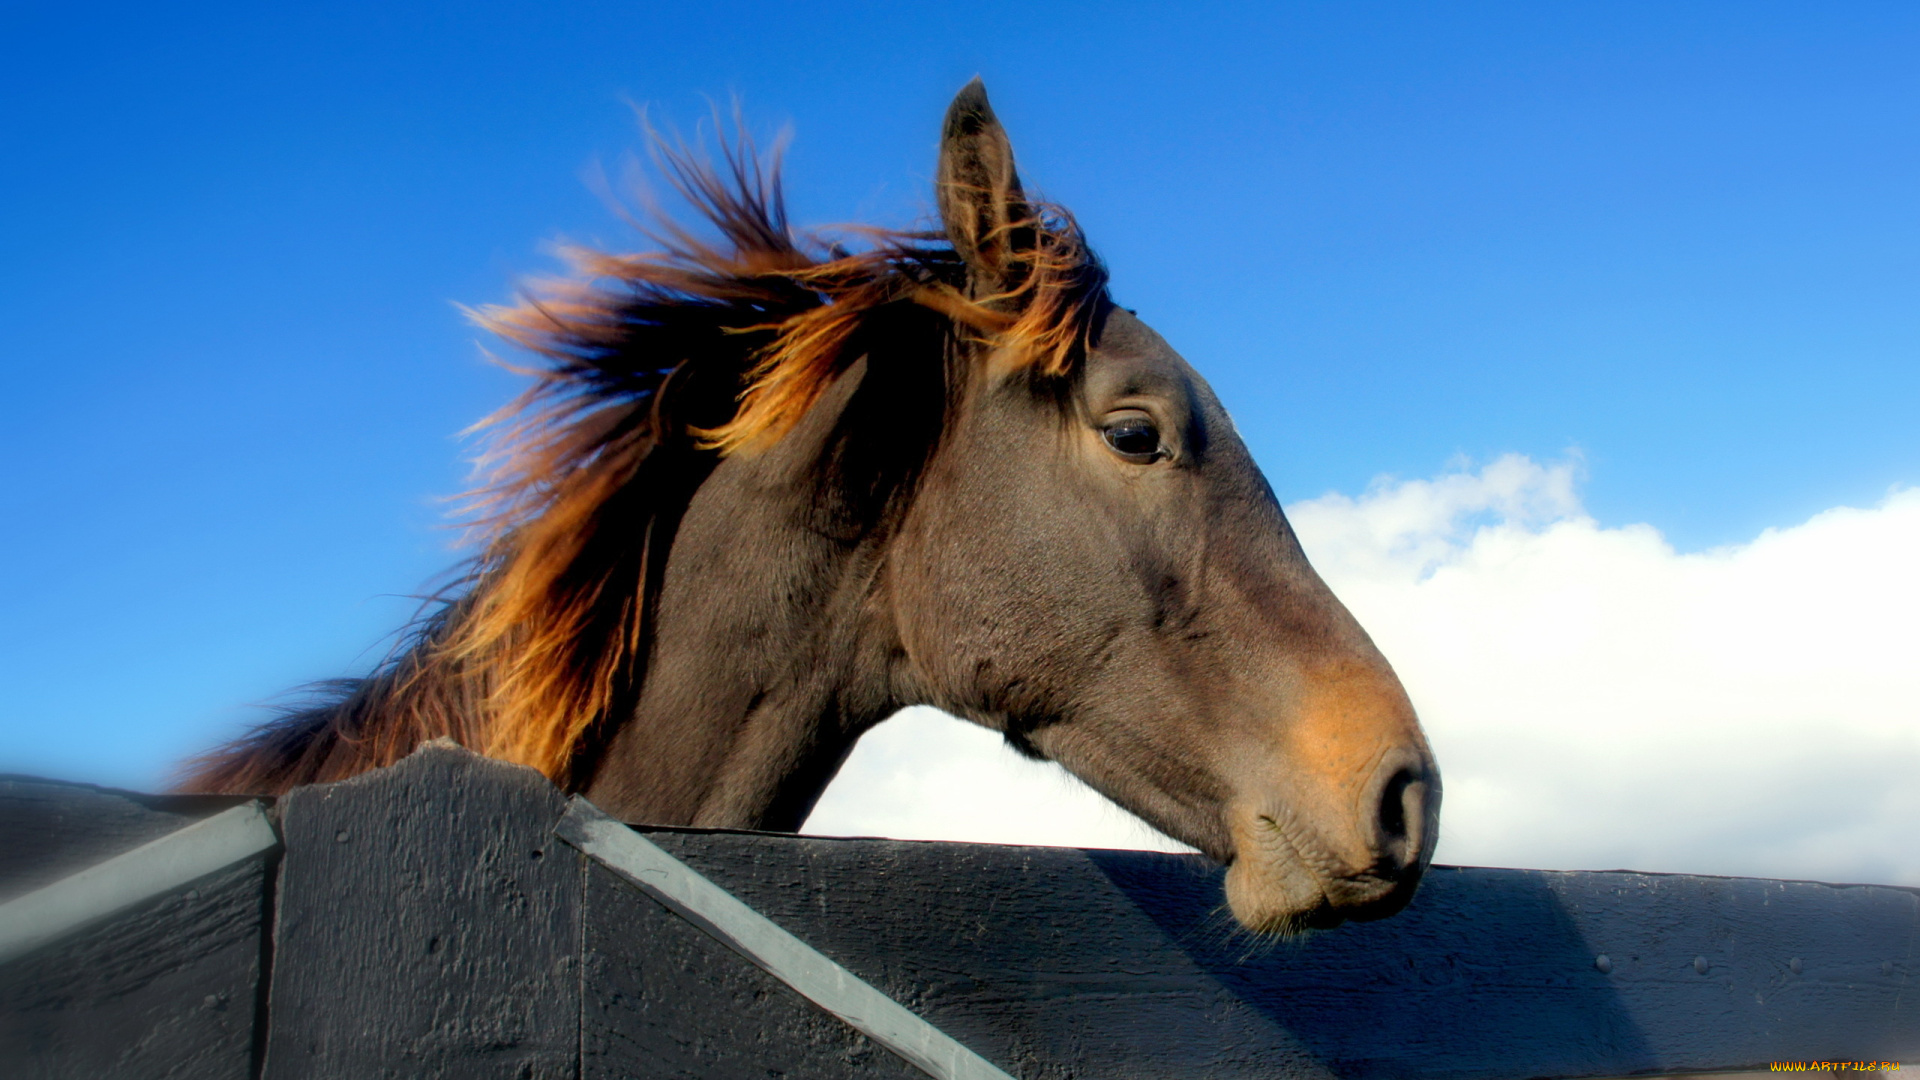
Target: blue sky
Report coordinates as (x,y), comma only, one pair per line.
(1679,242)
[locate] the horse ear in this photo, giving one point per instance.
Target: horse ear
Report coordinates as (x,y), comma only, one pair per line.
(985,213)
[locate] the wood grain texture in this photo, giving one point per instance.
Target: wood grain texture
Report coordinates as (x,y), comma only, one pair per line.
(50,829)
(664,999)
(428,926)
(1062,963)
(167,989)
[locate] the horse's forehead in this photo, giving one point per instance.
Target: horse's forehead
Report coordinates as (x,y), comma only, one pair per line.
(1123,334)
(1130,351)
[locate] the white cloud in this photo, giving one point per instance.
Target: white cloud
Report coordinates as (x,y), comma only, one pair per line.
(924,775)
(1595,698)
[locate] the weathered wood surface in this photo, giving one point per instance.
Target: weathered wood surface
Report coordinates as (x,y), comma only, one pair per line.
(663,999)
(49,829)
(166,989)
(429,926)
(429,923)
(1103,963)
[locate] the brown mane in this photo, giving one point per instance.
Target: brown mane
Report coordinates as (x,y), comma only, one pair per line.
(648,368)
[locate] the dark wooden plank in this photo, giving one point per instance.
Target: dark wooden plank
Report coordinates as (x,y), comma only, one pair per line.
(167,989)
(664,999)
(1028,956)
(428,926)
(1064,963)
(49,829)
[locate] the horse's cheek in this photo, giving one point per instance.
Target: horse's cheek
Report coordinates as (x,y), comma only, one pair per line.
(974,643)
(981,616)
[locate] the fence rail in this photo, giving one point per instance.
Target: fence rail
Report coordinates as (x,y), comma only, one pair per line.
(454,916)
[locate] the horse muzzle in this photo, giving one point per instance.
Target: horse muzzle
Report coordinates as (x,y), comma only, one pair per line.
(1297,866)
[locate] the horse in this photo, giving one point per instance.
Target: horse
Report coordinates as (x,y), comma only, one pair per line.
(763,491)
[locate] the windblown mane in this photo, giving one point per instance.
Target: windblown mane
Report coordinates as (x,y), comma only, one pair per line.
(647,369)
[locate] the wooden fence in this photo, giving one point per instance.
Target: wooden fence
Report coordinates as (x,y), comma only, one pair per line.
(452,916)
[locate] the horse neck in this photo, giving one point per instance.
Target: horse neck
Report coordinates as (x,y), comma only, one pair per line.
(771,649)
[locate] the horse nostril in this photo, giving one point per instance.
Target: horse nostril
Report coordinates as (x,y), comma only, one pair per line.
(1393,809)
(1401,810)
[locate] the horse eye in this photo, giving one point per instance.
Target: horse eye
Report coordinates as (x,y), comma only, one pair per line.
(1134,438)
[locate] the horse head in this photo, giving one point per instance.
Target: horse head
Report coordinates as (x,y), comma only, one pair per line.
(1095,566)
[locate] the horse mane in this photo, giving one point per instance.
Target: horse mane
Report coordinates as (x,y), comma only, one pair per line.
(646,370)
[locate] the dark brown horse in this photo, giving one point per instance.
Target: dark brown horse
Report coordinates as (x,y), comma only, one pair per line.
(764,493)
